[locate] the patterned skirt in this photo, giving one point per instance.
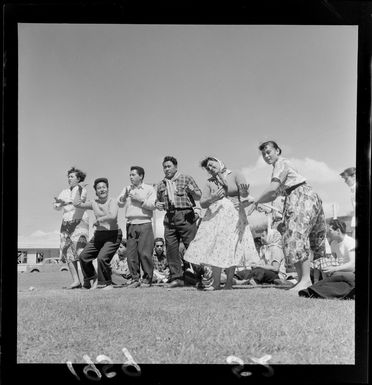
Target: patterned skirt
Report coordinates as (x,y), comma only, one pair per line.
(224,238)
(74,237)
(305,225)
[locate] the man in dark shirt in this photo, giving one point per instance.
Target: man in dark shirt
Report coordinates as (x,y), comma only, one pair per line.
(176,194)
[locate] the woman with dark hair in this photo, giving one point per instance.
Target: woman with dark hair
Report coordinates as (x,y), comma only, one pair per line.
(74,231)
(106,239)
(303,217)
(224,239)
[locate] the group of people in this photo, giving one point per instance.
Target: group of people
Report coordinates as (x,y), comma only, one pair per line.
(218,248)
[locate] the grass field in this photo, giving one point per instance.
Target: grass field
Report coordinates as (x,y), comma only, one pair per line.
(182,325)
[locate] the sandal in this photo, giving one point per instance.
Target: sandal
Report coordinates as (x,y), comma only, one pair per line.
(211,288)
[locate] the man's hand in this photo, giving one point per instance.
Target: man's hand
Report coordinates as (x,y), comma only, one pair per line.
(134,195)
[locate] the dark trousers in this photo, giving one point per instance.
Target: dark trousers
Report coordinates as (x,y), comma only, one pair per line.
(140,244)
(259,274)
(102,246)
(178,226)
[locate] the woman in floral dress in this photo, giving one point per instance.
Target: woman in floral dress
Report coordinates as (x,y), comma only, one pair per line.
(224,239)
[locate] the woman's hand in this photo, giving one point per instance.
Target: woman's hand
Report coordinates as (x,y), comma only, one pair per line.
(217,195)
(243,189)
(252,205)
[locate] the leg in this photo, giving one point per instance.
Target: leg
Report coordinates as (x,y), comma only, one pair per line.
(173,258)
(305,282)
(230,275)
(216,277)
(145,248)
(105,255)
(132,252)
(86,258)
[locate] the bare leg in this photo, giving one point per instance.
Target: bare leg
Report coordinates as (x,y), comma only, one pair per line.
(303,271)
(73,267)
(230,276)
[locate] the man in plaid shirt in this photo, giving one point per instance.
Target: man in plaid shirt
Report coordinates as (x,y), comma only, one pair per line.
(176,194)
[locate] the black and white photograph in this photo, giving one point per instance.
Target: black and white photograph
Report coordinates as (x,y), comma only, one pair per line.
(188,193)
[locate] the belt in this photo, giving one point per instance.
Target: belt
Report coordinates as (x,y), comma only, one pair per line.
(171,211)
(290,189)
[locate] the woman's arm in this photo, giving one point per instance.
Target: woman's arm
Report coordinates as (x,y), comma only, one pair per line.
(269,193)
(242,185)
(79,201)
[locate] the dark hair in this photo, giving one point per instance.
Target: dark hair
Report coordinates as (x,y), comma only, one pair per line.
(205,161)
(159,239)
(79,174)
(99,180)
(348,172)
(262,146)
(140,170)
(170,159)
(337,224)
(124,242)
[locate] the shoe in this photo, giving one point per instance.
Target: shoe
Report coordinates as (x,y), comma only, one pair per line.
(108,287)
(134,284)
(283,282)
(211,288)
(73,287)
(252,282)
(175,283)
(145,284)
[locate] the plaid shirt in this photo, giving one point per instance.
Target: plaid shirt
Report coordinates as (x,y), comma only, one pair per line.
(183,200)
(159,264)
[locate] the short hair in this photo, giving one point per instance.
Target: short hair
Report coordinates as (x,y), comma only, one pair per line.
(99,180)
(140,170)
(262,146)
(159,239)
(170,159)
(123,242)
(337,224)
(351,171)
(79,174)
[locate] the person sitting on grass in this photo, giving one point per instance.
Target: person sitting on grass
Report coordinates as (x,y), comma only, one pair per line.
(271,267)
(161,268)
(120,274)
(339,281)
(106,239)
(317,267)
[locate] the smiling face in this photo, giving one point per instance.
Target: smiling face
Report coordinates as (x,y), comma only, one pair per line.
(169,169)
(73,180)
(101,190)
(213,167)
(269,154)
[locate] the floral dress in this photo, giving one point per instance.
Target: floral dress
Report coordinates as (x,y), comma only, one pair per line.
(224,238)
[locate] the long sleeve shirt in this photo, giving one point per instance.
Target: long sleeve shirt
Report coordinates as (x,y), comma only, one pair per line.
(138,212)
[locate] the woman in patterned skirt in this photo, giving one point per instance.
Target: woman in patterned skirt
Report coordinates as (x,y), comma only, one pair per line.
(224,239)
(303,216)
(75,224)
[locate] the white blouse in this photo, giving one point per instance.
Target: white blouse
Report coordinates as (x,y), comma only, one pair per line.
(69,212)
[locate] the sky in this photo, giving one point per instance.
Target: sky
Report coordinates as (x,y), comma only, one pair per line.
(105,97)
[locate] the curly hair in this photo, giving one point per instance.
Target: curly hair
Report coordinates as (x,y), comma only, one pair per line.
(170,159)
(79,174)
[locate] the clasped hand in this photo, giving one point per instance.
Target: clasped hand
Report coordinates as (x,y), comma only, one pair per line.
(219,194)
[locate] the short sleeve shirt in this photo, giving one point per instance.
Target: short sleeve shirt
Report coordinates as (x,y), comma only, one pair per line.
(342,249)
(286,174)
